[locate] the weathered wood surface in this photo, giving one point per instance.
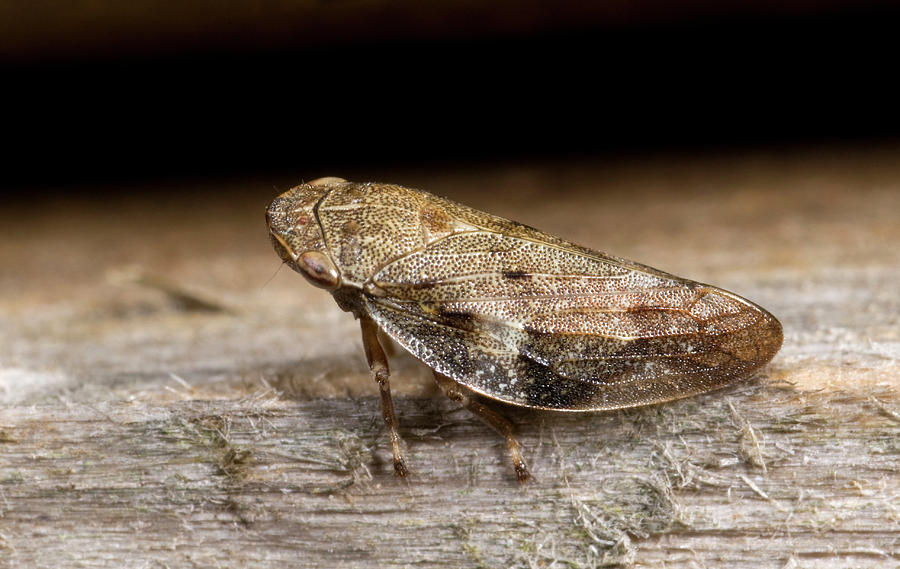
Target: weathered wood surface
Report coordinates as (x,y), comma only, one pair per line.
(140,428)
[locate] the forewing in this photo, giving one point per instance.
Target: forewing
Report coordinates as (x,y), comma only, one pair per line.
(534,321)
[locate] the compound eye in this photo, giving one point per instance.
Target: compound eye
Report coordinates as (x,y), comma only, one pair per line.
(319,270)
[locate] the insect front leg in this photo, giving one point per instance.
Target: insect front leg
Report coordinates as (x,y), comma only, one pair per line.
(378,363)
(497,421)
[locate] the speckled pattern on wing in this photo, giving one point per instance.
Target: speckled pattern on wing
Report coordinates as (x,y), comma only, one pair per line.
(527,318)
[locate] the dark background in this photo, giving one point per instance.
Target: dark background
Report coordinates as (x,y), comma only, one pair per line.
(108,95)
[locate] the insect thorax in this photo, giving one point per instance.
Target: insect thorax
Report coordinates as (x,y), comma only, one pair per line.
(366,226)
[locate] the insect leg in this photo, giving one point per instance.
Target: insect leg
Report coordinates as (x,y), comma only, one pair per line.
(498,422)
(378,363)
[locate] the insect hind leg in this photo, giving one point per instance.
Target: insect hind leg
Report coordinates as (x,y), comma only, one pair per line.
(498,422)
(378,363)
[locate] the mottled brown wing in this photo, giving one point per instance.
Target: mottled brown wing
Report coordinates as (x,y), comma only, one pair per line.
(552,326)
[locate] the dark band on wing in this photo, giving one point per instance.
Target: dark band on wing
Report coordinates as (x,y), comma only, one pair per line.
(458,319)
(547,389)
(515,275)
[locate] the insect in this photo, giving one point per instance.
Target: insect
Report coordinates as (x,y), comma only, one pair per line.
(504,312)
